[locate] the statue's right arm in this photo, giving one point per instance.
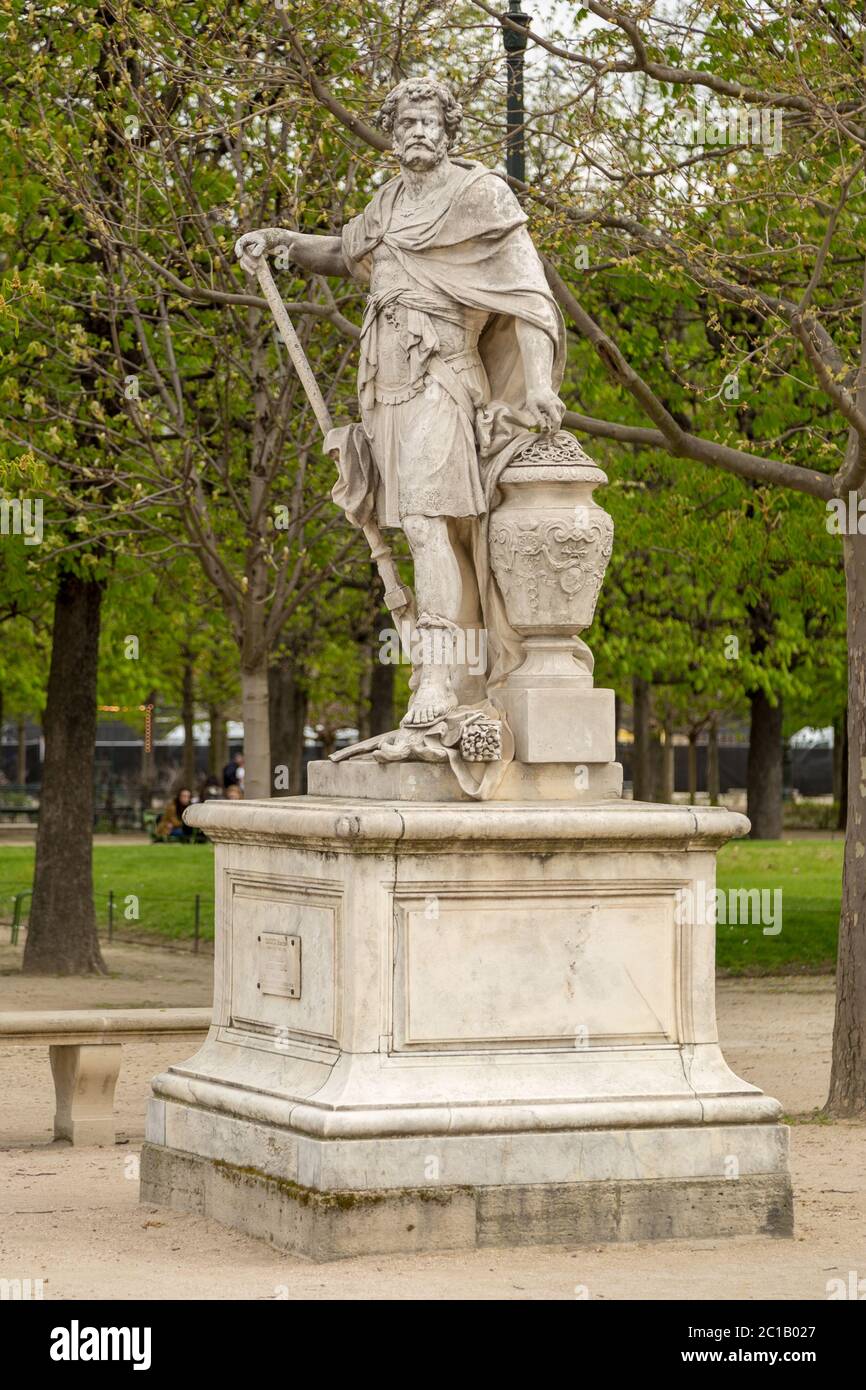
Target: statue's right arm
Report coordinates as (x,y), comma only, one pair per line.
(323,255)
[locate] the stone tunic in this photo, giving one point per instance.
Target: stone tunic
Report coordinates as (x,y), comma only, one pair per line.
(422,439)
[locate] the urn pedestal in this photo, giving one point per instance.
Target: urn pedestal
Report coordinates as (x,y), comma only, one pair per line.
(442,1026)
(550,543)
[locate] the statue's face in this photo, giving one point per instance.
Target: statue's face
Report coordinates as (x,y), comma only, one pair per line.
(419,137)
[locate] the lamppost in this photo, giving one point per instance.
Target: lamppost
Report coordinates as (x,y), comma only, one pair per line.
(515,47)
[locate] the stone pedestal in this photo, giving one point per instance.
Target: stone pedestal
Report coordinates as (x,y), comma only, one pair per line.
(365,779)
(442,1025)
(558,724)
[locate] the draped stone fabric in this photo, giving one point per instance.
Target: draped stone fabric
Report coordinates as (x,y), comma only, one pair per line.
(464,247)
(438,426)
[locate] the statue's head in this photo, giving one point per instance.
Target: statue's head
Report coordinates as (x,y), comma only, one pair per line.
(422,116)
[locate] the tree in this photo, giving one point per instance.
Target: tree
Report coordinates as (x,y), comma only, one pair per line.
(220,437)
(69,447)
(157,434)
(763,255)
(24,623)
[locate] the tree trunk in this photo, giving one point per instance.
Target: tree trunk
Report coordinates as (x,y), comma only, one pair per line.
(764,771)
(218,750)
(663,749)
(837,754)
(21,768)
(365,687)
(188,716)
(61,938)
(641,768)
(257,743)
(713,783)
(381,719)
(328,740)
(693,766)
(848,1073)
(840,768)
(288,718)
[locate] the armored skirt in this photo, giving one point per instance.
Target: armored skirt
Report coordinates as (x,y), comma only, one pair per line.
(424,446)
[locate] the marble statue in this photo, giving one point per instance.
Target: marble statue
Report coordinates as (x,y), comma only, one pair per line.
(464,990)
(462,350)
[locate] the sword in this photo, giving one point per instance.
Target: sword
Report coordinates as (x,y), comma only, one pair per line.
(398,598)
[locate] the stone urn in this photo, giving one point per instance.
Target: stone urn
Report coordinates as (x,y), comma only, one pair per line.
(550,543)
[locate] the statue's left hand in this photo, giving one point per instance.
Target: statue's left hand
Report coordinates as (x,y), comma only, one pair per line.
(545,408)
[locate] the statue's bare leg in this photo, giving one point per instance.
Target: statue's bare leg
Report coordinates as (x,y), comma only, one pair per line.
(438,590)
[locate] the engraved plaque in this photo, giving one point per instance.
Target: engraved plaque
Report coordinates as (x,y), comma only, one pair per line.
(280,965)
(266,913)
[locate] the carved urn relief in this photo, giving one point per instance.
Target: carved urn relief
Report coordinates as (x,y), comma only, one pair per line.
(550,543)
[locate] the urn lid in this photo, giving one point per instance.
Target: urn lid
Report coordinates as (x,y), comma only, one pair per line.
(553,458)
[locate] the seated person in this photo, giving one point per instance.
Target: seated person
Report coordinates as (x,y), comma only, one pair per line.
(170,825)
(234,793)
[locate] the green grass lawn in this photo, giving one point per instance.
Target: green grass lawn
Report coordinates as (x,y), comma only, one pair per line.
(809,874)
(166,878)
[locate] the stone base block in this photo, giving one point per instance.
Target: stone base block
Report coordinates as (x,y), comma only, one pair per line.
(562,724)
(336,1225)
(443,1026)
(365,779)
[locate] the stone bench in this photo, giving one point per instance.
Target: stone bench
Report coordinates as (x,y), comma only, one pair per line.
(84,1050)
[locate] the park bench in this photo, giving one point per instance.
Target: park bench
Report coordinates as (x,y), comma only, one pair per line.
(117,818)
(84,1051)
(19,803)
(13,813)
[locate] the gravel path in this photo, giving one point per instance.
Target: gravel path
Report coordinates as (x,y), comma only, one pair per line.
(71,1217)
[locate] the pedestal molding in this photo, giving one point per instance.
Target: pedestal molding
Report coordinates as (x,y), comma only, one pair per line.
(343,824)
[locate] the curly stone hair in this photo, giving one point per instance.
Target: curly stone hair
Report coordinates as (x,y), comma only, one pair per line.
(422,89)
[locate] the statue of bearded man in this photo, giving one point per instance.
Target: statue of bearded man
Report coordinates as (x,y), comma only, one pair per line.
(462,347)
